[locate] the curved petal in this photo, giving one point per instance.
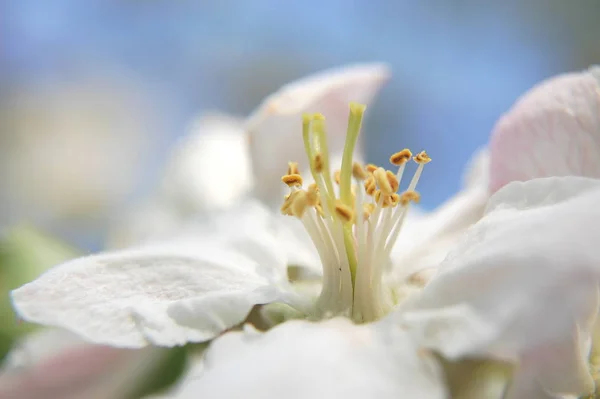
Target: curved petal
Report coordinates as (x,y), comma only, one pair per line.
(552,130)
(520,282)
(134,297)
(275,127)
(57,364)
(333,359)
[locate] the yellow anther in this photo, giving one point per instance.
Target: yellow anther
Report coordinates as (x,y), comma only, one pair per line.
(344,212)
(371,167)
(388,200)
(393,180)
(409,196)
(293,180)
(299,204)
(368,210)
(422,158)
(293,168)
(359,172)
(287,202)
(370,185)
(336,176)
(318,163)
(401,157)
(312,195)
(382,181)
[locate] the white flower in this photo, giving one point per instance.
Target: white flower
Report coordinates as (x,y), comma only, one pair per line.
(192,289)
(523,284)
(332,359)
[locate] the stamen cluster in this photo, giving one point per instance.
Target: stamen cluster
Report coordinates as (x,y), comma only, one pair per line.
(353,216)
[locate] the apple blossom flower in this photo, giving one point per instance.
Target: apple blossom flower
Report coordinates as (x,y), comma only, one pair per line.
(192,289)
(523,284)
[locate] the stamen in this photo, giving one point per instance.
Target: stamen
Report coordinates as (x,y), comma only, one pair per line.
(401,157)
(312,195)
(394,183)
(371,168)
(422,158)
(318,163)
(368,210)
(355,232)
(299,204)
(344,212)
(409,196)
(383,182)
(293,168)
(358,172)
(293,180)
(336,176)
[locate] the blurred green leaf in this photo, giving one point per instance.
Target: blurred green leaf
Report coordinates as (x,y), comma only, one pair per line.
(168,367)
(25,253)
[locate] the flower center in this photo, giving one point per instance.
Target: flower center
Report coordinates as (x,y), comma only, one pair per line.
(354,230)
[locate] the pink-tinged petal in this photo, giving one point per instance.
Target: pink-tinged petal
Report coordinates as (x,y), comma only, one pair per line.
(521,286)
(75,370)
(552,130)
(275,127)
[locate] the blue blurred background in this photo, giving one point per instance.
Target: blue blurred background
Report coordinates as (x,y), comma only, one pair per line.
(93,93)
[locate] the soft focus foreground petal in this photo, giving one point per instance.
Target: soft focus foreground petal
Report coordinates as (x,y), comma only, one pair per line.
(211,167)
(552,130)
(58,364)
(427,237)
(520,282)
(134,297)
(275,127)
(332,359)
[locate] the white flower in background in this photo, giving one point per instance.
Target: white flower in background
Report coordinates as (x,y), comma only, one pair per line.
(523,285)
(333,359)
(208,170)
(57,364)
(225,159)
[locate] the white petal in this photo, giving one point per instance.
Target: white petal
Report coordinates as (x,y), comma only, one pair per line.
(276,126)
(58,364)
(211,167)
(552,130)
(135,297)
(523,278)
(333,359)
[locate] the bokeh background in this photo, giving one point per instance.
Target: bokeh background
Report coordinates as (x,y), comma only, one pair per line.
(94,93)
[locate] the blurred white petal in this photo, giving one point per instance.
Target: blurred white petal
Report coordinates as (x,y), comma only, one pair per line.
(211,167)
(552,130)
(332,359)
